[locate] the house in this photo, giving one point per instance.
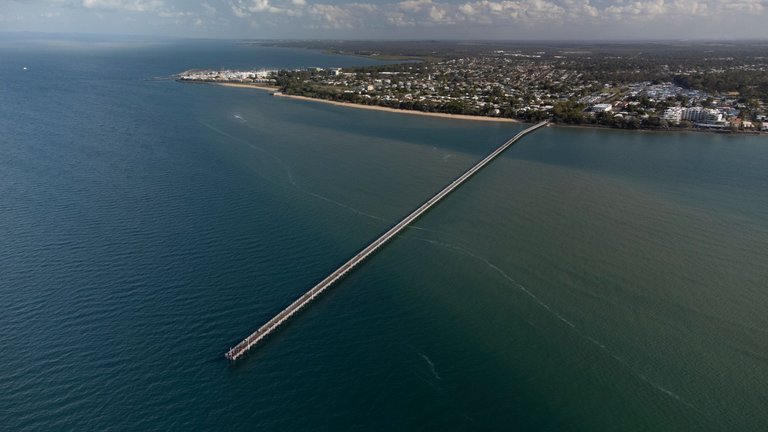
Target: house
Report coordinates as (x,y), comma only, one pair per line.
(602,108)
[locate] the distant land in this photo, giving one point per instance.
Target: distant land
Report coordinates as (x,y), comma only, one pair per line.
(712,86)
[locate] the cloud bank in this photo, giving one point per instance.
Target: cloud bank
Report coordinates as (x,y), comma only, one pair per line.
(486,12)
(548,19)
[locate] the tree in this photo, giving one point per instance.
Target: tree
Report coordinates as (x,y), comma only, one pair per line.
(568,112)
(633,123)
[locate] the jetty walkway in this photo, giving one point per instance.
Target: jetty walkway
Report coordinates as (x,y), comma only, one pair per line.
(270,326)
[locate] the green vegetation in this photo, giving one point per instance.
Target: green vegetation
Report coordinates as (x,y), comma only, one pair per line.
(639,82)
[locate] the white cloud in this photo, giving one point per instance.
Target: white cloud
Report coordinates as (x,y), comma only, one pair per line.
(647,10)
(530,11)
(643,10)
(249,8)
(331,16)
(692,7)
(437,13)
(413,5)
(125,5)
(410,13)
(745,6)
(398,19)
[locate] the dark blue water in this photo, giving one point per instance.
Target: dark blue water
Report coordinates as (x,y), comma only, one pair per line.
(587,280)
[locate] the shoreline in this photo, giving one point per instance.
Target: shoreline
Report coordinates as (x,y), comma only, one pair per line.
(277,92)
(669,130)
(400,111)
(501,119)
(249,86)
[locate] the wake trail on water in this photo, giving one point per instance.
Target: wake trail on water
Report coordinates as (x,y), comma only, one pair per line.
(550,310)
(293,182)
(431,366)
(280,162)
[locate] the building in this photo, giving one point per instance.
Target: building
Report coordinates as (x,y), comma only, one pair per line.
(673,115)
(702,115)
(602,108)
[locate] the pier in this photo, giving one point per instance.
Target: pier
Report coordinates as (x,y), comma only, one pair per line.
(270,326)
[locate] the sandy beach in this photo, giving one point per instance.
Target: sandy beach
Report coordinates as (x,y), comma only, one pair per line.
(371,107)
(400,111)
(460,116)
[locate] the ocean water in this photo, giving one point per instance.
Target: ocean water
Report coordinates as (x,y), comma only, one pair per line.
(586,280)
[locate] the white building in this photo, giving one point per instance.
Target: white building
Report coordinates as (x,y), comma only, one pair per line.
(602,108)
(673,115)
(702,115)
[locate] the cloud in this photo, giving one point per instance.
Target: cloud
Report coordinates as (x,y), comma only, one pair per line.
(437,14)
(679,10)
(413,5)
(251,9)
(401,18)
(371,14)
(745,6)
(331,16)
(693,7)
(124,5)
(445,13)
(643,10)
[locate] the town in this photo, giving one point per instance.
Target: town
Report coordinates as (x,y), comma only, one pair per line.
(562,86)
(261,76)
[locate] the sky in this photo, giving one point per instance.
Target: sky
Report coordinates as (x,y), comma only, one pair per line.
(405,19)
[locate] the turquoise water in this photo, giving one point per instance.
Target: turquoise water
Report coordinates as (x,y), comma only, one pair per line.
(586,280)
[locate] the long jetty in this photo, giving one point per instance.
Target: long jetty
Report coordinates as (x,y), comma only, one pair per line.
(270,326)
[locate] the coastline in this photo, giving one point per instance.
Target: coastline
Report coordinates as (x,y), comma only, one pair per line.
(250,86)
(669,130)
(276,90)
(401,111)
(498,119)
